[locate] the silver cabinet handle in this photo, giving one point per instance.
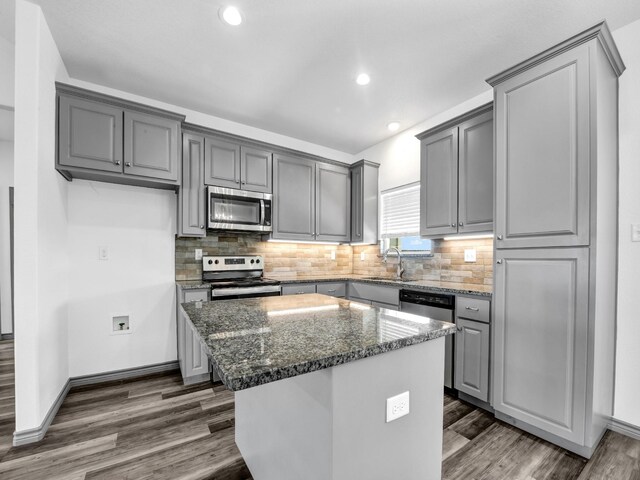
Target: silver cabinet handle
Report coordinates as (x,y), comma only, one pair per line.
(118,162)
(299,293)
(128,164)
(499,237)
(499,262)
(461,224)
(331,291)
(473,309)
(453,225)
(202,226)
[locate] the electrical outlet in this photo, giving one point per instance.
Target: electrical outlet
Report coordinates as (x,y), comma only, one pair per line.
(362,256)
(103,253)
(470,255)
(397,406)
(198,254)
(333,254)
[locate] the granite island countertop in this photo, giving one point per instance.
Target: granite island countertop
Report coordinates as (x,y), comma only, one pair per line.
(255,341)
(434,286)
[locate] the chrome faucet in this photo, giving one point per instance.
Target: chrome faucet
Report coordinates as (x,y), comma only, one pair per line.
(399,268)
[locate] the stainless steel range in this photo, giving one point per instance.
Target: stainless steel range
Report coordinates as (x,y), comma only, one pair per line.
(237,277)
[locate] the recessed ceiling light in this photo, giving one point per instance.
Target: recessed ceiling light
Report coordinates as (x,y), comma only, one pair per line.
(231,15)
(393,126)
(363,79)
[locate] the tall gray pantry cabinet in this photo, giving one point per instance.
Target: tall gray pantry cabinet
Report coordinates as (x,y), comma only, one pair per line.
(556,240)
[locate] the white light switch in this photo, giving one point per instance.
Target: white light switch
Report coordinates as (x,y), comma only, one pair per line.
(333,254)
(470,255)
(362,256)
(198,254)
(103,253)
(397,406)
(635,232)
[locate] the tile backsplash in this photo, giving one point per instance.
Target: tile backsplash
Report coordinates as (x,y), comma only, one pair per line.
(447,263)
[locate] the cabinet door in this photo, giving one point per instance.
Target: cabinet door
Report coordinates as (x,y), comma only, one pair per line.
(195,353)
(222,163)
(475,175)
(298,288)
(543,154)
(200,295)
(255,170)
(151,147)
(89,135)
(540,332)
(357,179)
(294,198)
(472,358)
(333,203)
(192,194)
(439,184)
(181,343)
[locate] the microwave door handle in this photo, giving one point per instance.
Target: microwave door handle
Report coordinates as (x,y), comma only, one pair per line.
(262,213)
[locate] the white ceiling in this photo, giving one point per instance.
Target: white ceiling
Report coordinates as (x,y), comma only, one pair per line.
(290,67)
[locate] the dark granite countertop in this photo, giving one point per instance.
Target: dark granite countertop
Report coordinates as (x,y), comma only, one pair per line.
(260,340)
(423,285)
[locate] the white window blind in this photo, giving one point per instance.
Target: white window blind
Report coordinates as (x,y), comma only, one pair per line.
(401,211)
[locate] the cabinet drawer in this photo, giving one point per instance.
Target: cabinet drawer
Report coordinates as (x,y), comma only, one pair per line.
(473,308)
(298,288)
(333,289)
(376,293)
(196,296)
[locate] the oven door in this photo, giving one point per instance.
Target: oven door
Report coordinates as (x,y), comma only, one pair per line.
(228,293)
(231,209)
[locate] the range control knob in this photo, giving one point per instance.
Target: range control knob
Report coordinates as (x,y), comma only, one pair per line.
(217,262)
(210,262)
(252,260)
(257,260)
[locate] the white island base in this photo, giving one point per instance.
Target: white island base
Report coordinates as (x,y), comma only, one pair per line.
(331,424)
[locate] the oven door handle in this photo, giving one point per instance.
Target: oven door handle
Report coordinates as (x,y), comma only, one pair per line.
(262,212)
(223,292)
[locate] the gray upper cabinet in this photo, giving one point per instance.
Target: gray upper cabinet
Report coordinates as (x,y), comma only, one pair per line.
(90,135)
(151,146)
(294,181)
(222,163)
(540,328)
(255,169)
(439,184)
(333,188)
(229,164)
(364,202)
(108,139)
(475,174)
(192,194)
(456,175)
(543,154)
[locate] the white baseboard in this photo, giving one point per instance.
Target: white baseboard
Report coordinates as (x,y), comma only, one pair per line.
(624,428)
(33,435)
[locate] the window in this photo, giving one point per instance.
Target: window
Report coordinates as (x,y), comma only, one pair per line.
(400,221)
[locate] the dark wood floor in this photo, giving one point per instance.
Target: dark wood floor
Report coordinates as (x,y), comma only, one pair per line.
(156,428)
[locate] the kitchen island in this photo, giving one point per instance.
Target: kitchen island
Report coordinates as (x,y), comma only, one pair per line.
(312,376)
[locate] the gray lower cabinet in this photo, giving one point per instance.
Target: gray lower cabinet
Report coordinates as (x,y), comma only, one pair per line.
(540,331)
(298,288)
(333,289)
(456,175)
(333,199)
(377,295)
(192,353)
(364,202)
(472,342)
(107,139)
(192,194)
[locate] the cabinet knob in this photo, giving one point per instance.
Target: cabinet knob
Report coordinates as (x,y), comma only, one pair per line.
(499,262)
(202,227)
(118,162)
(128,164)
(459,329)
(461,224)
(499,237)
(453,225)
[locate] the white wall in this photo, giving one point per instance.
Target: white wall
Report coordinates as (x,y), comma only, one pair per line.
(628,334)
(6,181)
(40,223)
(6,73)
(137,225)
(399,156)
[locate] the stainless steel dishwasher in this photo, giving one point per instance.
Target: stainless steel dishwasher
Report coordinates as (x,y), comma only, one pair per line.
(439,307)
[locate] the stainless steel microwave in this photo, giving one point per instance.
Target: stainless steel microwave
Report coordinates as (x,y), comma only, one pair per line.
(231,209)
